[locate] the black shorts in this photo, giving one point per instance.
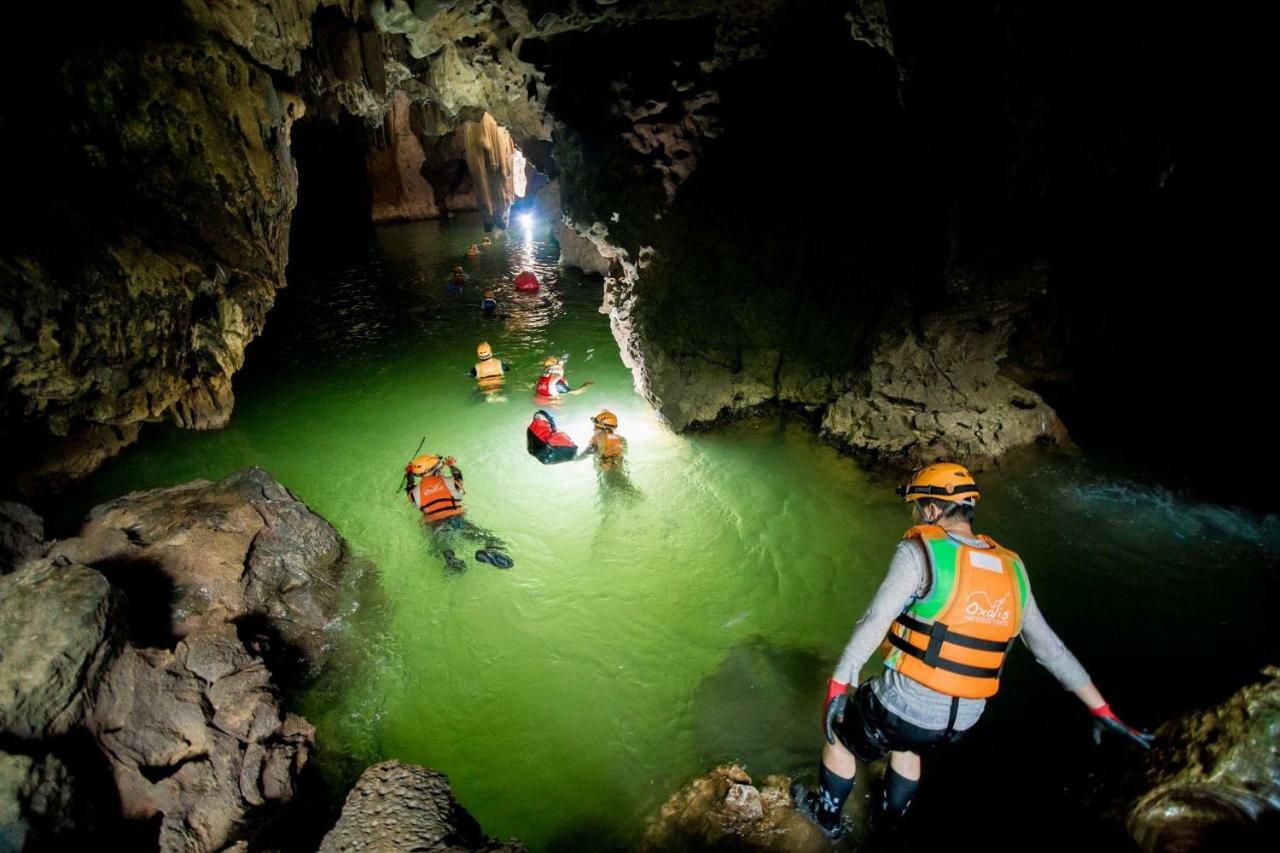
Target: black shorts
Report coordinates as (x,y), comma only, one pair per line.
(869,730)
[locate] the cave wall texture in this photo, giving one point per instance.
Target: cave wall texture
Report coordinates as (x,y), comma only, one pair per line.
(930,228)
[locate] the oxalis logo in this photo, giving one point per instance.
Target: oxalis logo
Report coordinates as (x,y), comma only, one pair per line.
(980,608)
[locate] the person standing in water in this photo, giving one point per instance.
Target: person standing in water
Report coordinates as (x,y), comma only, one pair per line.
(457,282)
(439,498)
(944,618)
(552,382)
(489,305)
(489,372)
(608,447)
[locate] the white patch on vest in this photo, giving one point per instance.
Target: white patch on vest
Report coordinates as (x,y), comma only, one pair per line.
(986,561)
(980,608)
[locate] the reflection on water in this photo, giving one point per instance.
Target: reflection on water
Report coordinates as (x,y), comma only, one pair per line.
(685,608)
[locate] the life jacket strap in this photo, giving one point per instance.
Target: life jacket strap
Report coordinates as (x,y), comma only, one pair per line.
(933,655)
(954,637)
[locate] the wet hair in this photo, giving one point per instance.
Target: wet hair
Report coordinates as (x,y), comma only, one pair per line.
(950,509)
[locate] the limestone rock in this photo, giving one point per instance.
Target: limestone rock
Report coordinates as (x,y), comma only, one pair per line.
(396,807)
(244,546)
(939,394)
(21,535)
(1215,777)
(723,810)
(400,192)
(199,754)
(59,631)
(35,801)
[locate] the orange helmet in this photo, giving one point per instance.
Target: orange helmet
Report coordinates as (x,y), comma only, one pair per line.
(606,420)
(551,364)
(944,481)
(488,294)
(423,465)
(484,351)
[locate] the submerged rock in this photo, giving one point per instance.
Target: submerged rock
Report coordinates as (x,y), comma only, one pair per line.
(204,554)
(1216,777)
(396,807)
(724,810)
(60,628)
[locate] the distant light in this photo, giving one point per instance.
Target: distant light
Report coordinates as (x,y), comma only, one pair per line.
(526,220)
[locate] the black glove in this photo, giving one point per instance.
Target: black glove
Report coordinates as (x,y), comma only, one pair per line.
(1105,720)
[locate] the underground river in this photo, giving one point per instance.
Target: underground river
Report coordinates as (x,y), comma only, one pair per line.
(689,613)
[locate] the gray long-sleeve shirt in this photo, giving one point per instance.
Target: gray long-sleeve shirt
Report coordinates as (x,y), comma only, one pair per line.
(908,580)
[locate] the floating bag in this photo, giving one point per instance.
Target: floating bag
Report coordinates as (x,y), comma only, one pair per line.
(547,444)
(527,282)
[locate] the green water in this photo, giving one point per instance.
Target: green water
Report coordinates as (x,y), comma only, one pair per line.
(689,612)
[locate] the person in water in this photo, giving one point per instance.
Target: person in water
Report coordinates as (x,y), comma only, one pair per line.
(489,371)
(606,445)
(473,250)
(944,618)
(485,241)
(456,283)
(439,498)
(489,305)
(552,382)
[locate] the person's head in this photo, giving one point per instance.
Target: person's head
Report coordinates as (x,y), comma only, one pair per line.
(488,294)
(941,492)
(425,465)
(457,268)
(553,366)
(484,351)
(606,421)
(473,249)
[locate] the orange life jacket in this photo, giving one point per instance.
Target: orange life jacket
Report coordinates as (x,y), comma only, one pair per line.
(438,498)
(612,447)
(955,639)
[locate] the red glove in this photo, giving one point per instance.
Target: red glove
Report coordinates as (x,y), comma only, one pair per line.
(833,707)
(1105,718)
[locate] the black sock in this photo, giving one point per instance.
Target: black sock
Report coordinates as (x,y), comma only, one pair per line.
(898,792)
(835,790)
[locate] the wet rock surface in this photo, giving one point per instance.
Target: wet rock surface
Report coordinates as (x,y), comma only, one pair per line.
(1215,777)
(396,807)
(725,810)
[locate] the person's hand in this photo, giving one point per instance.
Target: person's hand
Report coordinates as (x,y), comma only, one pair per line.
(1104,719)
(450,461)
(833,708)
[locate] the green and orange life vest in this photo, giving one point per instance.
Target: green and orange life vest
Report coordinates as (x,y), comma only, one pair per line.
(955,639)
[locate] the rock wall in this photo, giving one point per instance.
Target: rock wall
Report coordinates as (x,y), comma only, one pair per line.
(400,192)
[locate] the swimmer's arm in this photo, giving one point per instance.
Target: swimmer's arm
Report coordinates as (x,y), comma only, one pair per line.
(588,450)
(903,580)
(584,386)
(1051,653)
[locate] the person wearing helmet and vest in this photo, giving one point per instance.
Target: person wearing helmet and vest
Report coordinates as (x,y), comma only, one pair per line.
(439,499)
(489,371)
(552,382)
(489,305)
(605,444)
(944,619)
(473,250)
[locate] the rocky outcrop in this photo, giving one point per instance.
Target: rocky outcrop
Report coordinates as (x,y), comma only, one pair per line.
(21,535)
(480,153)
(35,802)
(60,631)
(196,737)
(243,551)
(938,393)
(398,806)
(158,657)
(1215,777)
(400,192)
(724,810)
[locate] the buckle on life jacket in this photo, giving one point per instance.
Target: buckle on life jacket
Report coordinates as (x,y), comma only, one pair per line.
(940,633)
